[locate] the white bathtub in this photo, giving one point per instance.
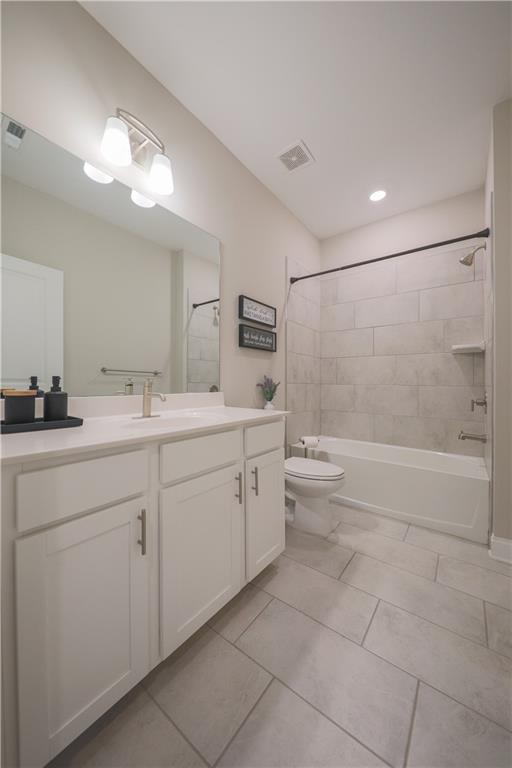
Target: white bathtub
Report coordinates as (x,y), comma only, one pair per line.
(444,491)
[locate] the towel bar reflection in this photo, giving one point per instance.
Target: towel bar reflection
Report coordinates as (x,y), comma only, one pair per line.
(120,371)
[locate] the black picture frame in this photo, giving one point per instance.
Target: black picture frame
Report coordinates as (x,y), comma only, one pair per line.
(244,313)
(256,338)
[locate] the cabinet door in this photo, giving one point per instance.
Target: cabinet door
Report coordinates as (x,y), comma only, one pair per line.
(201,556)
(82,624)
(264,517)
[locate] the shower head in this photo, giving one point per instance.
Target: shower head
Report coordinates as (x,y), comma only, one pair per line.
(468,259)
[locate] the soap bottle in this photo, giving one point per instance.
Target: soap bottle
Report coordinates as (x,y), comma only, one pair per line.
(35,385)
(55,402)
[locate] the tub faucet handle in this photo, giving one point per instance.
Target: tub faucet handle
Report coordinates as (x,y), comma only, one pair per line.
(481,401)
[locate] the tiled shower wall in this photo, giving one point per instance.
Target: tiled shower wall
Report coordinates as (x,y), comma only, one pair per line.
(387,371)
(303,353)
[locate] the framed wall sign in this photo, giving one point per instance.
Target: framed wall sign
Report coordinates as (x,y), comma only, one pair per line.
(256,311)
(256,338)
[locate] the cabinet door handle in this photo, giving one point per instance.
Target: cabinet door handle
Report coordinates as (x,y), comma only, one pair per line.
(143,532)
(239,494)
(256,486)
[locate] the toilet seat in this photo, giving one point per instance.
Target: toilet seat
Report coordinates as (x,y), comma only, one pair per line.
(312,469)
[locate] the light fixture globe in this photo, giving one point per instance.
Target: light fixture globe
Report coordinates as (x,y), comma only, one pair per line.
(115,145)
(160,175)
(141,200)
(96,175)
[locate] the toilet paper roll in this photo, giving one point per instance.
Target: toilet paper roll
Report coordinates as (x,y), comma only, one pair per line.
(309,441)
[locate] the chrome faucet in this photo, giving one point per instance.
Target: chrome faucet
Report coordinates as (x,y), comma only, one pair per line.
(147,397)
(470,436)
(481,402)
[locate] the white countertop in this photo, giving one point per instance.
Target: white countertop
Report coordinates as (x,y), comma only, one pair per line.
(101,432)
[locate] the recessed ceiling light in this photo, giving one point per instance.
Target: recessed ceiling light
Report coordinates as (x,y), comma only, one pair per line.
(379,194)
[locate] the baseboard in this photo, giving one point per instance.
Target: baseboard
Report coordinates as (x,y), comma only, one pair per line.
(501,549)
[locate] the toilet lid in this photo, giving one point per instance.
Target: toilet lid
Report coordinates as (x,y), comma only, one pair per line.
(311,469)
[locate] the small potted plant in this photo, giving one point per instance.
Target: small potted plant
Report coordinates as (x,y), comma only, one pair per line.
(268,387)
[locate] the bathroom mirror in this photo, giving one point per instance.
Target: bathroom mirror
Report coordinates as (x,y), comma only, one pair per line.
(95,288)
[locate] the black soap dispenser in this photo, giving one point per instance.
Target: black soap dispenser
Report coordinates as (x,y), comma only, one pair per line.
(35,386)
(55,402)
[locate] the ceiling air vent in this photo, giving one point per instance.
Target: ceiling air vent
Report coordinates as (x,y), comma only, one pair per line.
(296,156)
(14,134)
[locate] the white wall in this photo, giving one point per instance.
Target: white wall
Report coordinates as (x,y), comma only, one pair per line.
(108,320)
(387,373)
(63,74)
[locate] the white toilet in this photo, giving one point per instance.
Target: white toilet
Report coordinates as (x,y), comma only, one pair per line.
(310,483)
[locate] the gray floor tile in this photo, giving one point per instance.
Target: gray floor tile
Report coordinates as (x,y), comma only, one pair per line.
(469,551)
(397,553)
(338,606)
(369,698)
(499,629)
(283,731)
(369,521)
(208,690)
(447,735)
(468,672)
(236,616)
(448,607)
(489,586)
(316,552)
(133,734)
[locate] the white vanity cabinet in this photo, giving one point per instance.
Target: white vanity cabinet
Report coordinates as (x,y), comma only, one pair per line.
(264,517)
(83,630)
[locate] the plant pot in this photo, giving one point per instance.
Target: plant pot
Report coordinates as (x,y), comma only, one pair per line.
(269,406)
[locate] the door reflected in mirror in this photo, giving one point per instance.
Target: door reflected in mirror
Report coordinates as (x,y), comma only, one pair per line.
(96,289)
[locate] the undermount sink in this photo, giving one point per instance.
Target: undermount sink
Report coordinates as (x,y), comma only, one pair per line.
(180,420)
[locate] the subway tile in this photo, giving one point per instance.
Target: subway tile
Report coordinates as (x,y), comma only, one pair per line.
(387,310)
(478,369)
(369,698)
(296,397)
(479,582)
(353,426)
(450,402)
(460,549)
(450,609)
(338,606)
(431,269)
(337,397)
(464,300)
(460,668)
(318,553)
(347,343)
(329,291)
(328,370)
(284,730)
(409,338)
(301,339)
(411,432)
(397,553)
(466,447)
(366,282)
(387,400)
(303,423)
(303,311)
(193,348)
(463,330)
(366,370)
(448,734)
(312,397)
(337,317)
(499,627)
(209,349)
(437,369)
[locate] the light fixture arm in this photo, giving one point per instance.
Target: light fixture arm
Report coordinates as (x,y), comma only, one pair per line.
(137,126)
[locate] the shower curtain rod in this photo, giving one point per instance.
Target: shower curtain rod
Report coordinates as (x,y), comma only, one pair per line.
(483,233)
(202,303)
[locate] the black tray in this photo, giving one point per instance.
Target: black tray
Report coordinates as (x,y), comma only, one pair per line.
(39,424)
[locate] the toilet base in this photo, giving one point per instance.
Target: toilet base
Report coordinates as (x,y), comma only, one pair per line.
(313,515)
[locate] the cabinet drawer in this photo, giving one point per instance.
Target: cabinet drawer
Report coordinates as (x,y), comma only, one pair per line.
(263,438)
(49,495)
(199,454)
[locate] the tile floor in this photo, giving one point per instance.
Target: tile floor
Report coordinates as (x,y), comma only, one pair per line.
(385,645)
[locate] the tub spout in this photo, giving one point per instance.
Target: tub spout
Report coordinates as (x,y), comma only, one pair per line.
(469,436)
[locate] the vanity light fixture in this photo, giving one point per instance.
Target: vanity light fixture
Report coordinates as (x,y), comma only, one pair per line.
(127,139)
(115,144)
(140,200)
(96,175)
(378,195)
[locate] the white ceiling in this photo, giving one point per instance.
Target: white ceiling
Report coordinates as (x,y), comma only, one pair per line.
(394,95)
